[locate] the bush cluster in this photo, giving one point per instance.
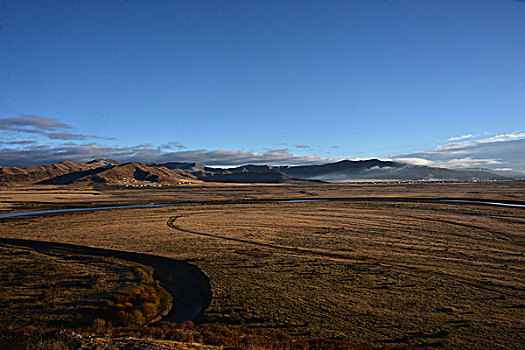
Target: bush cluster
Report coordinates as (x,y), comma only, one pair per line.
(133,309)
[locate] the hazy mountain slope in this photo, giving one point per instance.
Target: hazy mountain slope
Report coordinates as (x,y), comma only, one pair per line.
(191,167)
(374,169)
(246,177)
(256,169)
(411,172)
(243,174)
(338,171)
(514,174)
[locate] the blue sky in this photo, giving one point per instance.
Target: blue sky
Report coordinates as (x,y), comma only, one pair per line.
(283,82)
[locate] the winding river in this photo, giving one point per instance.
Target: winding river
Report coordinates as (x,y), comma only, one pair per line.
(35,213)
(191,290)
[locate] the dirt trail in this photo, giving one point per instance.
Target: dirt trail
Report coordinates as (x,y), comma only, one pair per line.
(188,285)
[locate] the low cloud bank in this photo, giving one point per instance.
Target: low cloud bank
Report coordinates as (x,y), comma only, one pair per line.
(32,140)
(15,151)
(44,154)
(499,151)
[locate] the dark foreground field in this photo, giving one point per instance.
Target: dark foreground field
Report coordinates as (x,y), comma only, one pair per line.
(387,273)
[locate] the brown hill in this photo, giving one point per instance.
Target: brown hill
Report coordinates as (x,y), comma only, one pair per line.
(23,176)
(139,174)
(98,171)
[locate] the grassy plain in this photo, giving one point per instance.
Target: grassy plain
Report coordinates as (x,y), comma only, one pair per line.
(435,275)
(47,196)
(48,289)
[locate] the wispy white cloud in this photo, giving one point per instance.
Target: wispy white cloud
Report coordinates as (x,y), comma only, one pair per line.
(457,138)
(504,137)
(503,151)
(517,135)
(466,162)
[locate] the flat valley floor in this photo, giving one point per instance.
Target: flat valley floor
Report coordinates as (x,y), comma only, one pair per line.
(387,272)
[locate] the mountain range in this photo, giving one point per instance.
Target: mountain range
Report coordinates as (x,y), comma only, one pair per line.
(111,172)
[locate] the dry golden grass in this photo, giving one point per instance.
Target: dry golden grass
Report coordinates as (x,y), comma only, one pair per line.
(374,271)
(50,288)
(438,275)
(47,196)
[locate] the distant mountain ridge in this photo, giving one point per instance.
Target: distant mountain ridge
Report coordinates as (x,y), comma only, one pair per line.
(111,172)
(14,175)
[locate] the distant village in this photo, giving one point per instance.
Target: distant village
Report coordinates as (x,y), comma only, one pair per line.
(135,183)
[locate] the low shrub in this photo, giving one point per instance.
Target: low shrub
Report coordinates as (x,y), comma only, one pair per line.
(135,308)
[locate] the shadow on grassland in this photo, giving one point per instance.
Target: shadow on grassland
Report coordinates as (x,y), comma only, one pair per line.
(188,285)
